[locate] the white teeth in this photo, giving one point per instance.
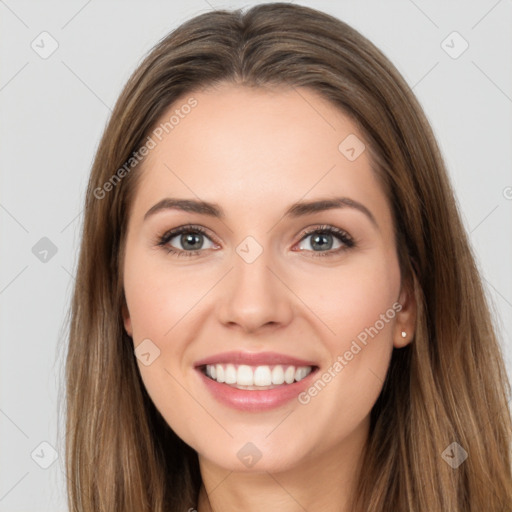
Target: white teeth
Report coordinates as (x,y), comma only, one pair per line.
(300,373)
(220,373)
(262,376)
(257,376)
(230,374)
(244,376)
(289,375)
(277,375)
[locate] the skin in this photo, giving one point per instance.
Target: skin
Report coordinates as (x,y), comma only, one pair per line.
(254,152)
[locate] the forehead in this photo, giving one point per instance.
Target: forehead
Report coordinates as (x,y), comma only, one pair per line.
(254,147)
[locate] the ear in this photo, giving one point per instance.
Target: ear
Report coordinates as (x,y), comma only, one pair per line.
(126,319)
(406,317)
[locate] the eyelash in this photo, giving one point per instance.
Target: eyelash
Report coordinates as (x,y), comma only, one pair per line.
(341,235)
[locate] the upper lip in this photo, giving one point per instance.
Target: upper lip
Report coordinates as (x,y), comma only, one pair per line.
(254,359)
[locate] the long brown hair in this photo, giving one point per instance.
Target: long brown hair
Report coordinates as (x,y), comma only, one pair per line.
(448,386)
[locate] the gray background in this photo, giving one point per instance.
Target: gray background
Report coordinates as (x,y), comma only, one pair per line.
(55,109)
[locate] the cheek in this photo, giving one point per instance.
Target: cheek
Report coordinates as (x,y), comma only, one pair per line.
(161,300)
(158,296)
(358,303)
(158,300)
(353,297)
(365,304)
(355,301)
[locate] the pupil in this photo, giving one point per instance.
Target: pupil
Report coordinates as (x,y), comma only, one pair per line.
(185,239)
(317,240)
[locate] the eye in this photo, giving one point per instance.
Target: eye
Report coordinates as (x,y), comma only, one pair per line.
(191,239)
(322,241)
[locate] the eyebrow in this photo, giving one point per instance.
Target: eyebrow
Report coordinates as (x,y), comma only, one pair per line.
(299,209)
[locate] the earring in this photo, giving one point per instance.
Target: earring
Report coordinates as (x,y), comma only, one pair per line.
(404,334)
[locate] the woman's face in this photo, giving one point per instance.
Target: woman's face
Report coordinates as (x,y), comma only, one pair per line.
(321,310)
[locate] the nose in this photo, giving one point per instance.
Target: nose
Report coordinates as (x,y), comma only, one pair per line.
(255,295)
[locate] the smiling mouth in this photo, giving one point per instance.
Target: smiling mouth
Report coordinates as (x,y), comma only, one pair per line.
(260,377)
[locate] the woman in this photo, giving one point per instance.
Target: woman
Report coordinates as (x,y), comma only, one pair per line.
(325,343)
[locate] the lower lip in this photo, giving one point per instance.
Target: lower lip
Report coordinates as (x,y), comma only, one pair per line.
(254,400)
